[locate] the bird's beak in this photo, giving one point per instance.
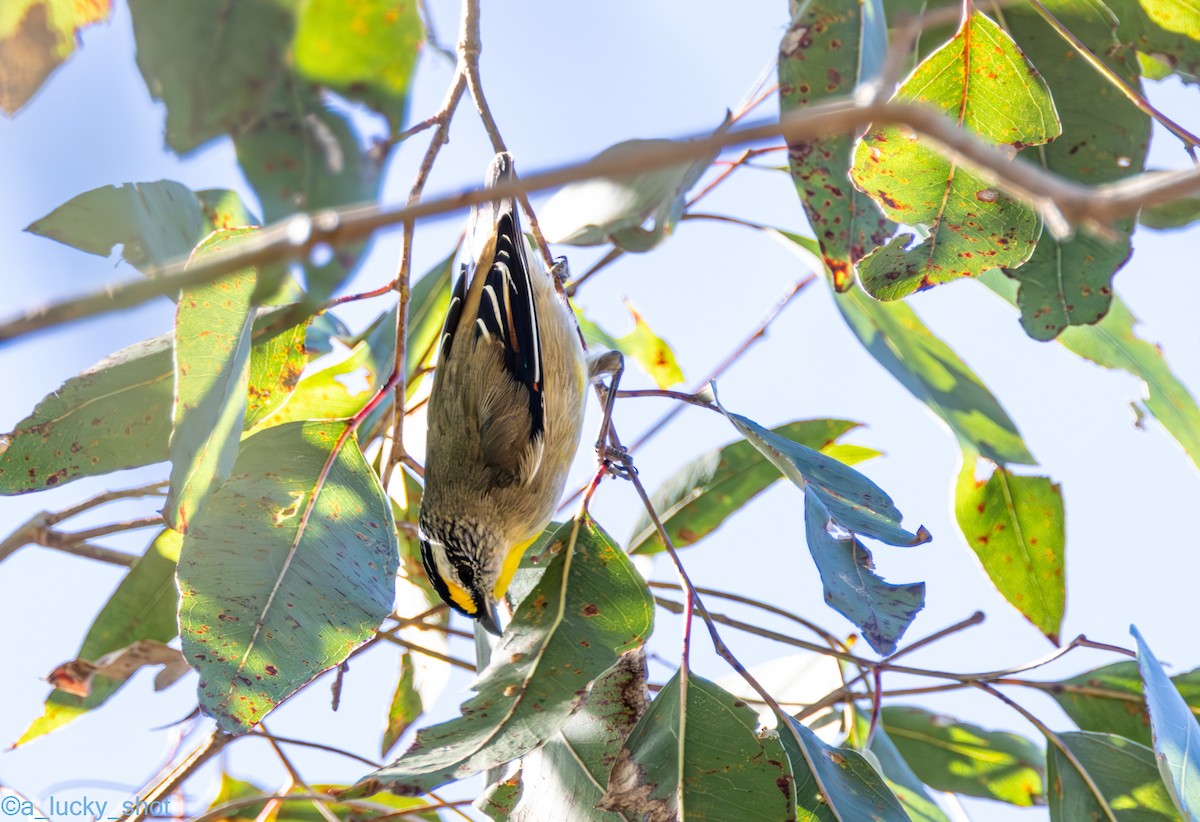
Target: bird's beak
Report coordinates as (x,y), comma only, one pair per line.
(489,619)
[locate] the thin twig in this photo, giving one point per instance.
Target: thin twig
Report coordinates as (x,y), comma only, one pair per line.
(320,804)
(154,489)
(172,779)
(393,635)
(1063,202)
(304,743)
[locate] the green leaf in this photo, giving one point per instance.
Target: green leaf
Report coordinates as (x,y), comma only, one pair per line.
(695,755)
(881,611)
(1016,527)
(365,51)
(1124,771)
(1174,729)
(835,783)
(829,49)
(1109,699)
(852,501)
(114,415)
(614,209)
(36,37)
(589,607)
(1175,214)
(406,706)
(1104,138)
(647,349)
(213,325)
(698,498)
(1169,30)
(302,156)
(152,222)
(980,80)
(142,607)
(276,363)
(218,78)
(499,798)
(391,807)
(273,593)
(900,779)
(948,755)
(566,777)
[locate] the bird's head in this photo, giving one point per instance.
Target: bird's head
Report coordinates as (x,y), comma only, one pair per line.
(458,566)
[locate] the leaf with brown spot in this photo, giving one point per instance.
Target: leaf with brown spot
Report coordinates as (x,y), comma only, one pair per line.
(36,37)
(76,677)
(648,350)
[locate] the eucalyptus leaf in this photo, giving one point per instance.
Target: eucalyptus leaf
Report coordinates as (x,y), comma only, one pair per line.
(36,36)
(1174,729)
(1124,771)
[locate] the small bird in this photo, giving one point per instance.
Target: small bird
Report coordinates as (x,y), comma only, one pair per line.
(505,412)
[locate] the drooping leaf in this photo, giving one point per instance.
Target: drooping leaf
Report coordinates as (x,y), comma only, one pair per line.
(152,222)
(882,611)
(851,500)
(213,325)
(218,78)
(1104,138)
(406,706)
(1112,343)
(114,415)
(36,36)
(1124,771)
(1017,529)
(828,50)
(900,779)
(566,777)
(285,571)
(647,349)
(1174,729)
(695,755)
(1110,699)
(980,80)
(302,156)
(142,607)
(1169,30)
(589,607)
(948,755)
(827,780)
(366,51)
(698,498)
(614,209)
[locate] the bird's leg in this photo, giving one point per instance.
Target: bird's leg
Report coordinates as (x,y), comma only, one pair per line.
(611,454)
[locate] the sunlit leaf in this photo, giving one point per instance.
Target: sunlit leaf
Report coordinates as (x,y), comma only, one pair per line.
(1124,771)
(851,500)
(566,777)
(272,594)
(900,779)
(698,498)
(647,349)
(948,755)
(882,611)
(36,36)
(828,49)
(1104,138)
(1167,29)
(142,607)
(365,51)
(980,80)
(1175,732)
(589,607)
(695,755)
(218,78)
(213,325)
(1016,527)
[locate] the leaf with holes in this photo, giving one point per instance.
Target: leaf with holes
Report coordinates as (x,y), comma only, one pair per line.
(1174,729)
(589,607)
(285,571)
(566,777)
(694,754)
(1124,771)
(948,755)
(365,51)
(828,50)
(213,325)
(882,611)
(1016,527)
(218,78)
(1104,138)
(36,37)
(698,498)
(141,608)
(980,80)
